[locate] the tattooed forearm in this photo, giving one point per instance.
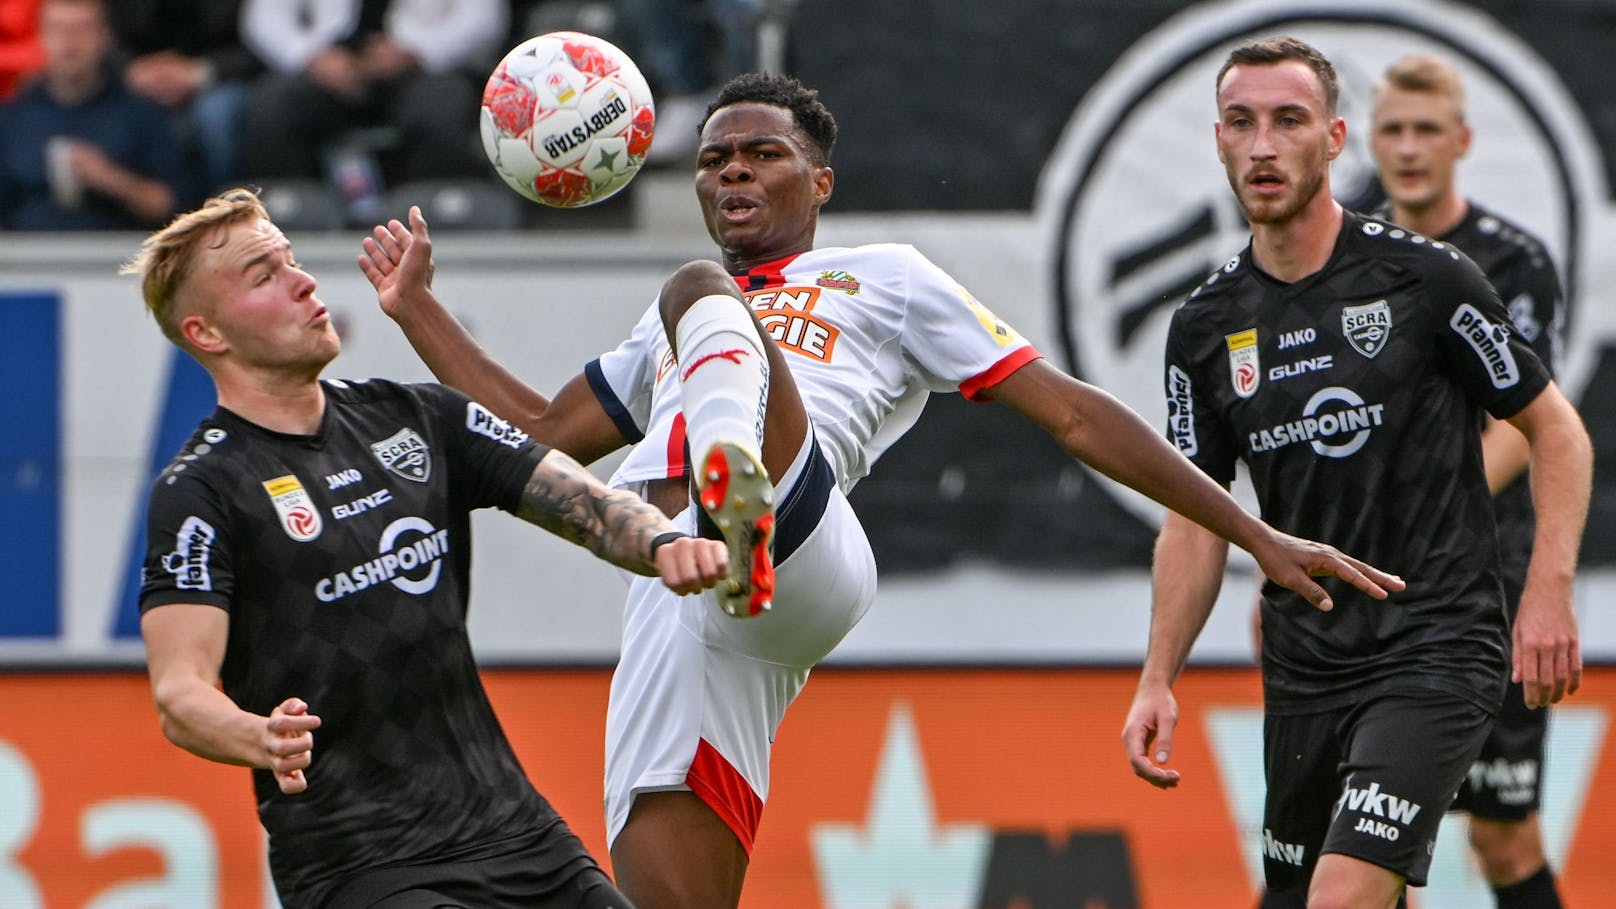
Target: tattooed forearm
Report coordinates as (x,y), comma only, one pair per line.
(567,500)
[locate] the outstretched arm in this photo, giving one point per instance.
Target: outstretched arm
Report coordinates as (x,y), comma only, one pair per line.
(1547,656)
(185,645)
(398,263)
(1104,433)
(1185,577)
(618,526)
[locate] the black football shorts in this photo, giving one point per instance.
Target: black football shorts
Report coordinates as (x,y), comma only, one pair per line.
(1369,780)
(1505,783)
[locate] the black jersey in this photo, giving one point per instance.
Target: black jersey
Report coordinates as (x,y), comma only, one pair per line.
(1519,268)
(1354,396)
(343,559)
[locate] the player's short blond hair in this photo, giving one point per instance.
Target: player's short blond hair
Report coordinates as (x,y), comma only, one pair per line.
(165,259)
(1425,74)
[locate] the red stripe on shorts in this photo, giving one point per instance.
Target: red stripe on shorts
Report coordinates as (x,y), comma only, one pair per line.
(717,782)
(676,447)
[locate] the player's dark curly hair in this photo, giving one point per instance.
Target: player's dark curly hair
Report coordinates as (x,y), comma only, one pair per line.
(810,114)
(1281,49)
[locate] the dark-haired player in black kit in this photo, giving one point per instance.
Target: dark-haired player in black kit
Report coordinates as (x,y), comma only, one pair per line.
(307,580)
(1348,362)
(1419,134)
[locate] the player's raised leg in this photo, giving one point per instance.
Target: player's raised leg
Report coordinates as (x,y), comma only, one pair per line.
(744,419)
(745,424)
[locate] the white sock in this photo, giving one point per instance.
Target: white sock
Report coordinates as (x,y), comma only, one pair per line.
(724,375)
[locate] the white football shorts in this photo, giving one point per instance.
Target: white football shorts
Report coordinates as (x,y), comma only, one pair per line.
(698,694)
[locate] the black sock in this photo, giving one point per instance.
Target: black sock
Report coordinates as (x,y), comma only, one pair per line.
(1536,892)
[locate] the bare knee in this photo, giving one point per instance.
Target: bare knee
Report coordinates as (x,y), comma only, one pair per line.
(691,282)
(1509,851)
(1343,882)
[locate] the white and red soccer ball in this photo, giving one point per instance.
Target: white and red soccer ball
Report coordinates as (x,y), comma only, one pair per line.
(566,119)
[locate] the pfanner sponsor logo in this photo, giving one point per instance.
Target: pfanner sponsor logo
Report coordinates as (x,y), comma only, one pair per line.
(1181,411)
(1490,341)
(410,558)
(188,563)
(483,422)
(1335,421)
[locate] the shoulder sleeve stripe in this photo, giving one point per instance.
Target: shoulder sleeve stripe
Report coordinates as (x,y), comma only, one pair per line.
(998,372)
(609,402)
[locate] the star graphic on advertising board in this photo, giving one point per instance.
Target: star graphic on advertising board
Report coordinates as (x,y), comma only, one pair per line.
(901,858)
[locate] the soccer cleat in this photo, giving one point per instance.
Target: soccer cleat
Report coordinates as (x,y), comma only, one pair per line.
(735,491)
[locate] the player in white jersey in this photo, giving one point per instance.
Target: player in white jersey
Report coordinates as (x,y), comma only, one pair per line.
(785,403)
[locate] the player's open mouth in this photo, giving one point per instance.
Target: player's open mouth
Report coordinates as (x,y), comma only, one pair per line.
(735,208)
(321,317)
(1266,182)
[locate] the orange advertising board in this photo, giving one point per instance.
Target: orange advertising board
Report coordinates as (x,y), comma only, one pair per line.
(892,788)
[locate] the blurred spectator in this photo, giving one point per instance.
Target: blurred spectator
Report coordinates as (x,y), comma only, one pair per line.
(20,53)
(187,56)
(78,150)
(415,66)
(673,44)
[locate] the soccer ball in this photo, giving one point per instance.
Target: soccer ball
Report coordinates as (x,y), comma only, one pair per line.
(566,119)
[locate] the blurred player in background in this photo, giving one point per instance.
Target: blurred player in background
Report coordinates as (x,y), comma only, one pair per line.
(306,579)
(1347,364)
(1419,135)
(786,372)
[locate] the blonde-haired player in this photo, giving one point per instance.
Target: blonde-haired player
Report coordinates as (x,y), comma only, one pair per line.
(1418,137)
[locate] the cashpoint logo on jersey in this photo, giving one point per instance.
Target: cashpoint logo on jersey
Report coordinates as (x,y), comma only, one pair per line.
(299,518)
(1139,210)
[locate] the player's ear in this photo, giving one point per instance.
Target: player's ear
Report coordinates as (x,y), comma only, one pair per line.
(1464,139)
(1338,136)
(1217,140)
(201,334)
(824,183)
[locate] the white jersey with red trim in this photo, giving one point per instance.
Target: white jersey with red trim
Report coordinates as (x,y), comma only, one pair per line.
(869,332)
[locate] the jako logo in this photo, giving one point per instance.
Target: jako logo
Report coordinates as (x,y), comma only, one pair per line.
(1140,211)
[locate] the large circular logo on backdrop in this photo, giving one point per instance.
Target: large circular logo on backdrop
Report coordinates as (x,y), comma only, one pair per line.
(1140,209)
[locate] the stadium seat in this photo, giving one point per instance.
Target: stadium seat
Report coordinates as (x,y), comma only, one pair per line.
(302,204)
(457,204)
